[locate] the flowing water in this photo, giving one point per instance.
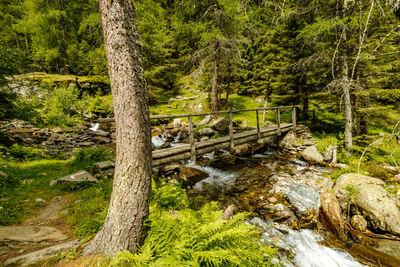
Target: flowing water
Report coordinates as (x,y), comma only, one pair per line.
(265,175)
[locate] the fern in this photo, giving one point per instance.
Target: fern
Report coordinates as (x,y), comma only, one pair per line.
(197,238)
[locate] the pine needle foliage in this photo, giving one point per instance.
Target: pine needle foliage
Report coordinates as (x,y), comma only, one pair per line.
(188,237)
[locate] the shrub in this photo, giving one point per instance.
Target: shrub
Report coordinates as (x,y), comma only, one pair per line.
(85,158)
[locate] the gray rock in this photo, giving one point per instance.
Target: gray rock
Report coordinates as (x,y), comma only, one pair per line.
(206,132)
(328,155)
(177,123)
(358,222)
(376,204)
(289,140)
(78,177)
(311,154)
(206,120)
(242,150)
(103,165)
(101,133)
(41,255)
(391,247)
(306,203)
(219,124)
(21,237)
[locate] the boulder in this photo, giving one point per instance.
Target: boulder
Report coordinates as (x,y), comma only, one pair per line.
(226,162)
(289,140)
(22,237)
(206,120)
(177,123)
(206,132)
(189,176)
(78,177)
(333,214)
(279,213)
(169,169)
(312,155)
(306,203)
(358,222)
(376,204)
(242,150)
(328,155)
(219,124)
(41,255)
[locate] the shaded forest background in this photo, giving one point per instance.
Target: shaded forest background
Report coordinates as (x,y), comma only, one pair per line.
(292,52)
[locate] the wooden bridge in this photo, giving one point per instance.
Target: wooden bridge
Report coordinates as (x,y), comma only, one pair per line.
(193,149)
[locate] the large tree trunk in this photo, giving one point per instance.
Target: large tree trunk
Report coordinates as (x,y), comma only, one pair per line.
(123,228)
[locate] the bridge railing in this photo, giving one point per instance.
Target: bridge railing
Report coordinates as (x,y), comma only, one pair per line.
(229,112)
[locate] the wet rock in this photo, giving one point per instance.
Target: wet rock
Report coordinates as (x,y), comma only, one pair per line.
(332,212)
(219,124)
(312,155)
(279,213)
(378,206)
(206,132)
(166,145)
(206,120)
(189,176)
(78,177)
(242,150)
(41,255)
(21,237)
(169,169)
(358,222)
(306,203)
(375,256)
(391,247)
(226,162)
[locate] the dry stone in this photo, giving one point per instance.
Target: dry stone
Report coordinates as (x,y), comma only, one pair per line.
(312,155)
(78,177)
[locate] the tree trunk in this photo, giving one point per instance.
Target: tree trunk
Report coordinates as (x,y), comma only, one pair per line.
(214,89)
(347,104)
(265,105)
(123,228)
(63,45)
(217,58)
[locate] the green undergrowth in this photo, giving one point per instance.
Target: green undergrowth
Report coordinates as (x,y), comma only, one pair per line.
(29,179)
(180,236)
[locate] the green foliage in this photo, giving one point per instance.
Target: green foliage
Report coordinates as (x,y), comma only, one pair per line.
(102,105)
(62,107)
(89,210)
(84,159)
(168,195)
(198,238)
(19,153)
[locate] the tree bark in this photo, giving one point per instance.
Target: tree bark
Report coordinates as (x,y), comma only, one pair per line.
(347,104)
(215,82)
(123,228)
(63,45)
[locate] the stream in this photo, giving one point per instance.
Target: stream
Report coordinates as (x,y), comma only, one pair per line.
(262,177)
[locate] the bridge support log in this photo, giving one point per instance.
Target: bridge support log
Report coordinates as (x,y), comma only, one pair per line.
(258,125)
(231,145)
(294,118)
(191,140)
(278,121)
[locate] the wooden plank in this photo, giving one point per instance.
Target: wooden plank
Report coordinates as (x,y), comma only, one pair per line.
(156,117)
(231,137)
(191,140)
(258,125)
(278,121)
(294,118)
(217,146)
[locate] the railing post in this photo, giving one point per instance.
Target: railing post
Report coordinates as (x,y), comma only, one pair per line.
(258,125)
(191,140)
(294,117)
(232,144)
(278,120)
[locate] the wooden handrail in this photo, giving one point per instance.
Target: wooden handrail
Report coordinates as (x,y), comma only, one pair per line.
(157,117)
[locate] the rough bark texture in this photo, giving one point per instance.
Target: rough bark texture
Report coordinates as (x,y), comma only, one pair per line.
(123,228)
(347,104)
(217,56)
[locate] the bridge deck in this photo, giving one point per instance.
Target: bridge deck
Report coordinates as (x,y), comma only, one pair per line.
(183,152)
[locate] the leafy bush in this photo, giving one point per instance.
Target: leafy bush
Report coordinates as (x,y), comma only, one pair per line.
(62,108)
(20,153)
(85,158)
(101,105)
